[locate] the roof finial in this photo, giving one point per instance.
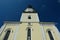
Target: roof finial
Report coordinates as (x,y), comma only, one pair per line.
(29,6)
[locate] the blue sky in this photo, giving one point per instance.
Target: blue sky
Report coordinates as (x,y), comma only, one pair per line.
(48,10)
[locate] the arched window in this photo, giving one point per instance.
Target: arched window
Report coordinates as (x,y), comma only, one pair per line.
(50,35)
(7,35)
(29,34)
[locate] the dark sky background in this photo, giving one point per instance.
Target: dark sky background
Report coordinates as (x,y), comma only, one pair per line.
(48,10)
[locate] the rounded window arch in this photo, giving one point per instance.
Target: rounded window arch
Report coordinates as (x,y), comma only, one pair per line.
(50,34)
(8,31)
(28,33)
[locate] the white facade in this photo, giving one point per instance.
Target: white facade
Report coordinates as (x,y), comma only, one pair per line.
(29,28)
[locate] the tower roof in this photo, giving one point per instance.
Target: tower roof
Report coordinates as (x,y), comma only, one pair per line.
(29,9)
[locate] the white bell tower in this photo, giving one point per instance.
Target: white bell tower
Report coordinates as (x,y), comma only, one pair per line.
(29,15)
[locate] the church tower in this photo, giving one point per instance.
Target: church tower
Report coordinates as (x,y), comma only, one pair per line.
(29,28)
(30,20)
(29,15)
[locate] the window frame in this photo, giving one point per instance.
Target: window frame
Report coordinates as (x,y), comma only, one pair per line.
(7,34)
(50,35)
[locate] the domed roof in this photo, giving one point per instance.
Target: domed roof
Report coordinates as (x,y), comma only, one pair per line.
(29,9)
